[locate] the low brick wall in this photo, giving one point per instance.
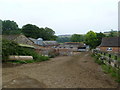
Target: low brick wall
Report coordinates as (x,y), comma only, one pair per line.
(47,51)
(114,49)
(65,52)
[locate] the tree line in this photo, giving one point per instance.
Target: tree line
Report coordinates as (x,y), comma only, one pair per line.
(29,30)
(91,38)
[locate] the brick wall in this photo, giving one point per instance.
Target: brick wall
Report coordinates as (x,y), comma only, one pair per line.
(65,52)
(114,49)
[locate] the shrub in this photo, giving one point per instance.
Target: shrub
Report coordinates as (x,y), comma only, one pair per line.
(12,48)
(8,48)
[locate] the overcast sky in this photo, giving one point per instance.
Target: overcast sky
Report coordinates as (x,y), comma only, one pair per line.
(63,16)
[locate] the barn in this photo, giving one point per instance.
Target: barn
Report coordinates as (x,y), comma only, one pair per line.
(110,44)
(74,46)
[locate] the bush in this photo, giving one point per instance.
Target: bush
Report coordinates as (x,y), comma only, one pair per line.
(12,48)
(8,48)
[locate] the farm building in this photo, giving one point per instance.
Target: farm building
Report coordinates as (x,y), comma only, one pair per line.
(20,39)
(110,44)
(50,43)
(74,46)
(27,42)
(38,41)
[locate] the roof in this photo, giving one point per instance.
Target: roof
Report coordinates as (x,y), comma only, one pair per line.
(110,42)
(39,39)
(50,43)
(14,37)
(24,45)
(74,43)
(32,39)
(10,37)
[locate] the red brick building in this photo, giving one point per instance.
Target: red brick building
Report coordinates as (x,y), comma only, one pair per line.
(110,44)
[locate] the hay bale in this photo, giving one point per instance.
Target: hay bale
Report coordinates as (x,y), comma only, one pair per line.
(20,58)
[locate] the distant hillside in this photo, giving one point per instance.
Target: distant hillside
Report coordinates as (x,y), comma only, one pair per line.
(67,35)
(108,32)
(64,35)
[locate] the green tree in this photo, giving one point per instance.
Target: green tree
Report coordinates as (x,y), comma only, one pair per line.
(91,39)
(9,25)
(49,34)
(99,38)
(34,31)
(77,38)
(113,33)
(63,39)
(30,30)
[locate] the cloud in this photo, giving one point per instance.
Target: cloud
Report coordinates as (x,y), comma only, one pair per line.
(64,16)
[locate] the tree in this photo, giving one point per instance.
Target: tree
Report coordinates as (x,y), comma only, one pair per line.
(63,39)
(34,31)
(49,34)
(9,25)
(91,39)
(113,33)
(99,38)
(30,30)
(77,38)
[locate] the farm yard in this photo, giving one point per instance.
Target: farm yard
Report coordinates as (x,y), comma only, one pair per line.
(77,71)
(60,44)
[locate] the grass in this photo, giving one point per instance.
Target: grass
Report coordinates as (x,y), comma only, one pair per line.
(108,69)
(98,62)
(97,59)
(24,61)
(112,56)
(112,71)
(20,62)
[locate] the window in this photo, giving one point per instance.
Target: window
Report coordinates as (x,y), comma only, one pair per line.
(109,49)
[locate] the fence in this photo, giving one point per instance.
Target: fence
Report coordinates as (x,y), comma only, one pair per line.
(108,58)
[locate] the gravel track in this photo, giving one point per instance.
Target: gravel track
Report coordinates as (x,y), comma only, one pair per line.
(78,71)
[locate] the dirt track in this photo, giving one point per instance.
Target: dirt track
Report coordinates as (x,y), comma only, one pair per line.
(60,72)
